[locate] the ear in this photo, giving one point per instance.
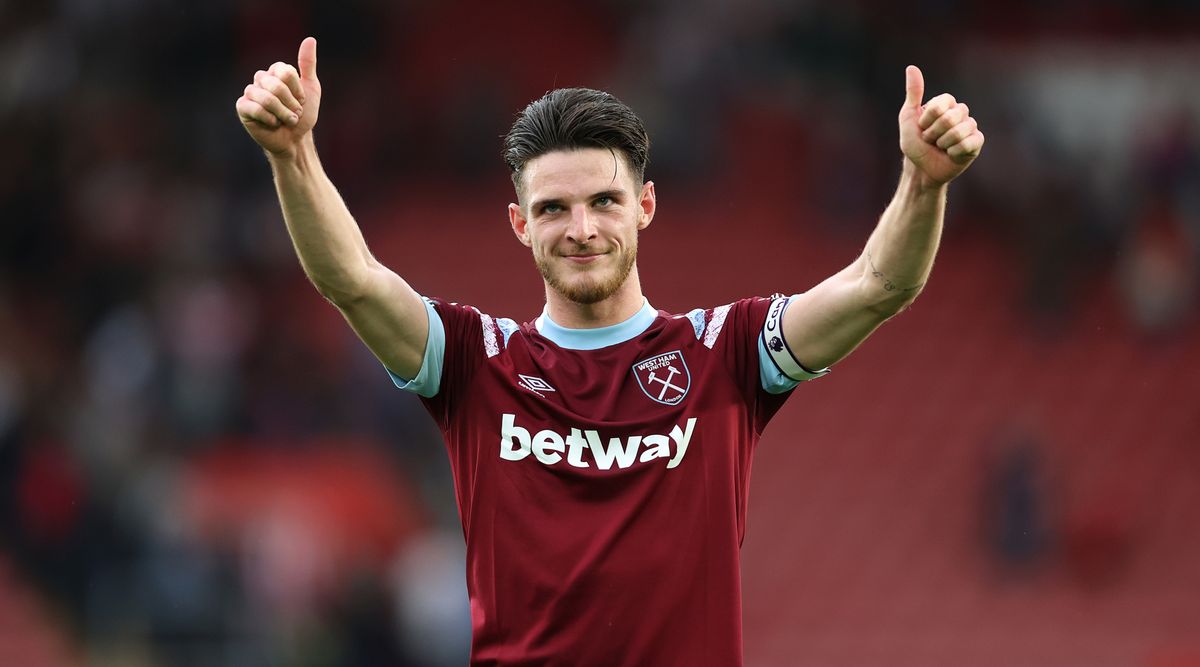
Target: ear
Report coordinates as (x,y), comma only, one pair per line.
(647,203)
(520,226)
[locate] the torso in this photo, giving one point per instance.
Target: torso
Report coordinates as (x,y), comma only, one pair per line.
(603,492)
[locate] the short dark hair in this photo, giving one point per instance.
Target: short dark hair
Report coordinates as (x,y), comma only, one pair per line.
(570,118)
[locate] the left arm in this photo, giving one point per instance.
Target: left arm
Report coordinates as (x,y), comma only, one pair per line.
(939,141)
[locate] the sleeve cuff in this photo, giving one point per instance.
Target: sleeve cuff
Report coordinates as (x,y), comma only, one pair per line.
(429,379)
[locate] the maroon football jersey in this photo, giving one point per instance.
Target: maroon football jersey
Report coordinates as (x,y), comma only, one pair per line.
(603,491)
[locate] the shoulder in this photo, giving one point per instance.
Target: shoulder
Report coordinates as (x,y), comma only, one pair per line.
(468,322)
(747,314)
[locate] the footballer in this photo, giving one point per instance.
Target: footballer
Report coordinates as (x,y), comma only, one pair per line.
(601,452)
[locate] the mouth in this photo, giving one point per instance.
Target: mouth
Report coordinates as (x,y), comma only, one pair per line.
(584,258)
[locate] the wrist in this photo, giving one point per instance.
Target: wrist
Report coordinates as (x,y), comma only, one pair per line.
(299,157)
(914,182)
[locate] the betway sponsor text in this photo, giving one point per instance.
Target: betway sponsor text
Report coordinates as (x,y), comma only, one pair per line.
(549,447)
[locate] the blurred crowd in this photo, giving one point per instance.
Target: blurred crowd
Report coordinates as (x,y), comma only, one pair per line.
(155,328)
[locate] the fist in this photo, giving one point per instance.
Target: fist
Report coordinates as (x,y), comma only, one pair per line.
(940,137)
(279,108)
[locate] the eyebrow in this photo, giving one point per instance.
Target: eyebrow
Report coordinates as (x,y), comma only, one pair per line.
(539,204)
(611,194)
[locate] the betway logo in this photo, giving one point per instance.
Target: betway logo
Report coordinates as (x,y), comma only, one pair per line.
(549,447)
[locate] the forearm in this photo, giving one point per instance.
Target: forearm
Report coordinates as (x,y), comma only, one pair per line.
(898,257)
(327,239)
(939,141)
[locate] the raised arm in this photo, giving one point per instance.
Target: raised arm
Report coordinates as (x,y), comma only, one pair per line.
(939,141)
(279,109)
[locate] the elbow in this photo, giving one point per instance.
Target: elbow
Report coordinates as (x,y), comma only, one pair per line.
(337,295)
(342,288)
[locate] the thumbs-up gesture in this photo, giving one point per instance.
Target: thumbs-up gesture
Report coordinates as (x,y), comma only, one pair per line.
(940,137)
(280,107)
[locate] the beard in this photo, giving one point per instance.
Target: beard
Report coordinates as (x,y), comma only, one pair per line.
(584,287)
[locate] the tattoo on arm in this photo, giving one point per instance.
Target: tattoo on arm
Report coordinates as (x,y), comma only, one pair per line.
(888,285)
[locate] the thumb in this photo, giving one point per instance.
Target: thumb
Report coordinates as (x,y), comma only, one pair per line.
(307,59)
(914,86)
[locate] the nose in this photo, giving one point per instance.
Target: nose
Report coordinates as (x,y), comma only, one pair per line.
(583,228)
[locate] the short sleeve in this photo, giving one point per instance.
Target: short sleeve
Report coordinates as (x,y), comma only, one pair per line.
(733,332)
(429,378)
(464,347)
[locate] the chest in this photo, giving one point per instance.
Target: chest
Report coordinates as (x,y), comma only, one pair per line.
(603,411)
(651,384)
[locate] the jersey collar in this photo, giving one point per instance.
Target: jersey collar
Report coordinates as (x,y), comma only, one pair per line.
(594,339)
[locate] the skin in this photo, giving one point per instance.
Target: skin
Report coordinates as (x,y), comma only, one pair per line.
(939,141)
(580,214)
(385,312)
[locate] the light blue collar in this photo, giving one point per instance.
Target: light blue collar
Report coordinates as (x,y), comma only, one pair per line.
(594,339)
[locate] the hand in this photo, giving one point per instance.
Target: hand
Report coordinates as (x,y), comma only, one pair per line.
(940,138)
(280,107)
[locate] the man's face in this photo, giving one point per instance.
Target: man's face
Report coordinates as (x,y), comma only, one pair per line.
(580,213)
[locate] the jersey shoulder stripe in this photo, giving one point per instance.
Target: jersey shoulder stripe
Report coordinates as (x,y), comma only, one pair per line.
(496,332)
(490,344)
(715,325)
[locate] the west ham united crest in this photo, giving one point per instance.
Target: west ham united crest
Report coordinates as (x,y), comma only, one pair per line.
(664,378)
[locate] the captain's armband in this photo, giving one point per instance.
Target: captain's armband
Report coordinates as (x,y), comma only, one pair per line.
(780,364)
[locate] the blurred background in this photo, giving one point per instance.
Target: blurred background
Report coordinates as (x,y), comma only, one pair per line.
(200,465)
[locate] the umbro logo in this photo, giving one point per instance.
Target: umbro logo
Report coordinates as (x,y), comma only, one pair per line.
(535,384)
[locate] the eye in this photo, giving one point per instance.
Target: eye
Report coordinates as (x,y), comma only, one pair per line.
(551,209)
(603,201)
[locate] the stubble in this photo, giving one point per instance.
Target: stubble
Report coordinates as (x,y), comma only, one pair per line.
(582,287)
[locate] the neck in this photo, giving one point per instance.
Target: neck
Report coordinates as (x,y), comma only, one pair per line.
(617,308)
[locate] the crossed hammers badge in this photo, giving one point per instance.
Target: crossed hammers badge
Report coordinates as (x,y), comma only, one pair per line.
(664,378)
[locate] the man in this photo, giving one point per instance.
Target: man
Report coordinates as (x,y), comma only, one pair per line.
(601,453)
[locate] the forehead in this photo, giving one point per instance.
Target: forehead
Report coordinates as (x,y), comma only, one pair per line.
(579,172)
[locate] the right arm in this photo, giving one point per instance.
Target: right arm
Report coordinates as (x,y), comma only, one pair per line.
(279,111)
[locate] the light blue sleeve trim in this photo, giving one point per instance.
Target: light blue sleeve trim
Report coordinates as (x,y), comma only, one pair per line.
(698,321)
(773,378)
(507,327)
(429,379)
